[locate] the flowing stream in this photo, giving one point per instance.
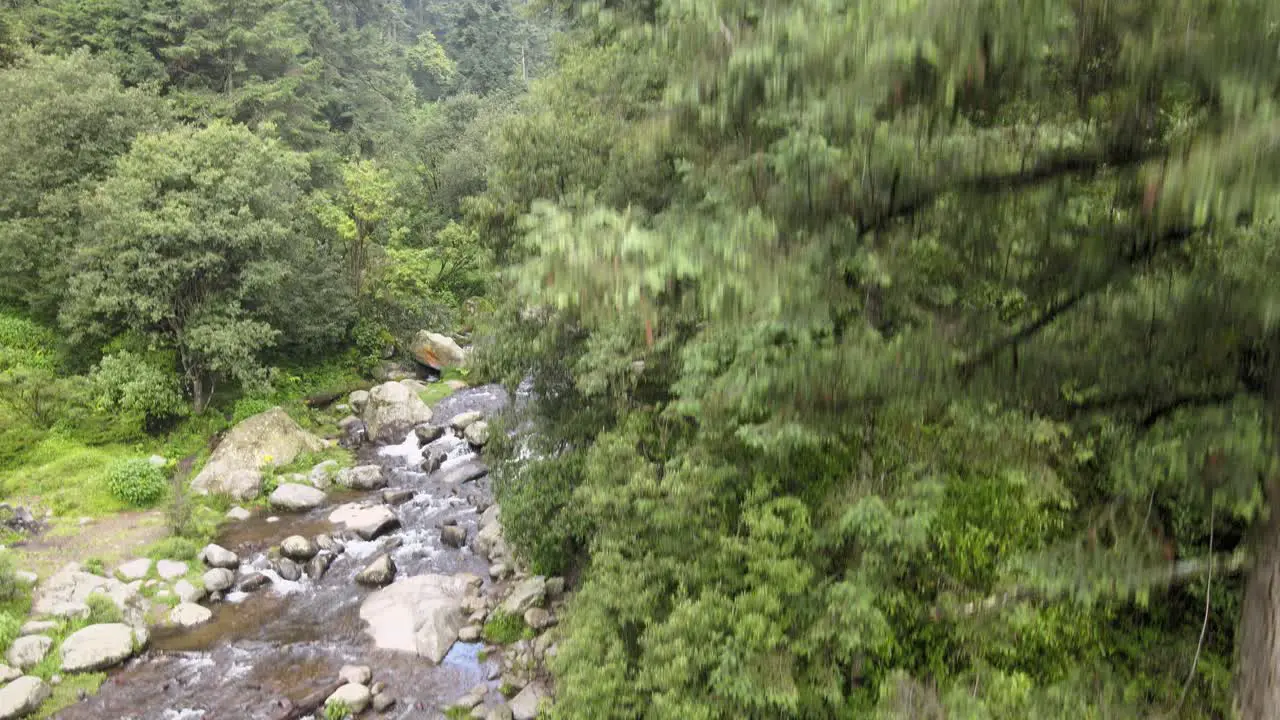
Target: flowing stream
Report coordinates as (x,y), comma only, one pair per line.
(266,652)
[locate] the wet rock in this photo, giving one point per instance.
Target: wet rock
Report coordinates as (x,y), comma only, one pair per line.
(325,542)
(392,410)
(216,556)
(473,581)
(98,647)
(366,522)
(398,496)
(499,571)
(319,565)
(187,615)
(461,421)
(27,651)
(464,472)
(353,431)
(296,497)
(36,627)
(187,592)
(453,536)
(358,400)
(477,433)
(299,548)
(218,579)
(22,697)
(268,438)
(432,461)
(358,674)
(382,702)
(288,570)
(428,433)
(273,519)
(437,351)
(364,477)
(238,514)
(489,540)
(524,706)
(379,572)
(470,633)
(254,581)
(528,593)
(355,697)
(420,614)
(538,619)
(170,569)
(134,569)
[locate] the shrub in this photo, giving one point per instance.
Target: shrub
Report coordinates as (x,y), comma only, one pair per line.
(247,407)
(102,609)
(336,711)
(96,566)
(136,387)
(136,482)
(10,624)
(503,628)
(175,548)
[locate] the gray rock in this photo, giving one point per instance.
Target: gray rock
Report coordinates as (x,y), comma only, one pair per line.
(22,697)
(382,701)
(296,497)
(528,593)
(254,581)
(464,472)
(538,619)
(437,351)
(392,410)
(299,548)
(134,569)
(319,565)
(421,614)
(470,633)
(432,461)
(187,615)
(379,572)
(453,536)
(326,542)
(353,431)
(498,571)
(368,522)
(238,514)
(364,477)
(9,674)
(36,627)
(461,421)
(355,697)
(524,706)
(98,647)
(288,570)
(428,433)
(358,674)
(216,556)
(187,592)
(26,578)
(358,400)
(219,579)
(398,496)
(27,651)
(66,594)
(322,474)
(477,433)
(170,569)
(268,438)
(500,712)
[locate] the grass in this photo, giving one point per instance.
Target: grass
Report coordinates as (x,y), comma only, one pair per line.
(438,391)
(67,693)
(67,476)
(503,628)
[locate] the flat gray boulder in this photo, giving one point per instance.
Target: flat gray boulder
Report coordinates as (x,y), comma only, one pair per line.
(26,652)
(22,697)
(525,705)
(420,614)
(216,556)
(66,594)
(188,615)
(392,411)
(268,438)
(98,647)
(368,522)
(528,593)
(296,497)
(364,477)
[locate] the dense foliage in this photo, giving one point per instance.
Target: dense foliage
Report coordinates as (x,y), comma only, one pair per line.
(136,481)
(900,359)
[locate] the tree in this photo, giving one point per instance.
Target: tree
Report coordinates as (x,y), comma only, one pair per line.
(179,243)
(361,213)
(63,123)
(862,324)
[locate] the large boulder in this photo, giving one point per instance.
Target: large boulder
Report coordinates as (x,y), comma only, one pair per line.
(364,477)
(98,647)
(392,411)
(527,703)
(368,522)
(528,593)
(296,497)
(379,572)
(353,695)
(420,614)
(66,594)
(187,615)
(22,696)
(437,351)
(26,652)
(268,438)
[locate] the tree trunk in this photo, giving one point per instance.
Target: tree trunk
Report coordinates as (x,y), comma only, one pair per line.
(1258,661)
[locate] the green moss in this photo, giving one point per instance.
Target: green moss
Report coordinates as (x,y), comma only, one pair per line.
(67,693)
(503,628)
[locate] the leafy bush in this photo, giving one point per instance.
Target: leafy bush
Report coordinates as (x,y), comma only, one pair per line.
(10,624)
(138,387)
(337,710)
(96,566)
(503,628)
(136,482)
(247,407)
(102,609)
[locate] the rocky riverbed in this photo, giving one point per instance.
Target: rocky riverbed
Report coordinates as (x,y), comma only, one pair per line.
(372,586)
